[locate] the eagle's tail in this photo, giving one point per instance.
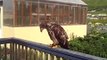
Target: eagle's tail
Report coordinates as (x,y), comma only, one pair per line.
(65,46)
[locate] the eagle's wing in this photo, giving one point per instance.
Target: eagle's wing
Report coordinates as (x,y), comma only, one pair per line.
(60,34)
(52,36)
(63,36)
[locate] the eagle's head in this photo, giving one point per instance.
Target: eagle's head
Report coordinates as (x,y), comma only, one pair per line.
(43,26)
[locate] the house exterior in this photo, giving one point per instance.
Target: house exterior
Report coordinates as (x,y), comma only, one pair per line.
(22,18)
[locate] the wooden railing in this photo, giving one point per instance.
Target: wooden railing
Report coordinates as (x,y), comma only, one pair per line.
(17,49)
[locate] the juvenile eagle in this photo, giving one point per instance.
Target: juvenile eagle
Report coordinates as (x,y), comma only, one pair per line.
(57,34)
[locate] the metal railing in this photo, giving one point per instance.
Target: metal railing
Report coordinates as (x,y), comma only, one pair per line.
(17,49)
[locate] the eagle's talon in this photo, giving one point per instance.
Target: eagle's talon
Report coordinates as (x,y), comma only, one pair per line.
(54,46)
(50,45)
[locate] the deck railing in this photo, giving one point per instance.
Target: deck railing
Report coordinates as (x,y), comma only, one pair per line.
(17,49)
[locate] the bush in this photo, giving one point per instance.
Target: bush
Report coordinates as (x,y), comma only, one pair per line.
(94,44)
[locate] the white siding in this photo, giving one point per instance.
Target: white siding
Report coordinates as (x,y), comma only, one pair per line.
(33,33)
(70,1)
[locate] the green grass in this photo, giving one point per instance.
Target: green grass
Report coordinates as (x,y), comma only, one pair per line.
(93,4)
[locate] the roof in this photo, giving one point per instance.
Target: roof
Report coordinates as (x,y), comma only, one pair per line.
(64,1)
(70,1)
(1,2)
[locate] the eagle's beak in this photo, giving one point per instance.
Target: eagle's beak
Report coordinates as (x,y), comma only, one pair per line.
(41,29)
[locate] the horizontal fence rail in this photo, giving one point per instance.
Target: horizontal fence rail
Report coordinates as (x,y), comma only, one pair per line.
(18,49)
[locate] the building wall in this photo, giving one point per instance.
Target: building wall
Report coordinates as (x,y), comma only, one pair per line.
(8,10)
(33,33)
(8,32)
(1,21)
(21,19)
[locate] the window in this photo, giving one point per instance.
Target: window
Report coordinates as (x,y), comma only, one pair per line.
(18,17)
(35,13)
(56,13)
(67,16)
(61,15)
(42,12)
(71,15)
(84,14)
(28,13)
(53,11)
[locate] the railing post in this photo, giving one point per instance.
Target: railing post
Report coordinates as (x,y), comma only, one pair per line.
(41,55)
(30,53)
(0,52)
(34,55)
(37,57)
(46,56)
(19,50)
(26,53)
(12,51)
(51,57)
(5,52)
(58,58)
(22,52)
(15,51)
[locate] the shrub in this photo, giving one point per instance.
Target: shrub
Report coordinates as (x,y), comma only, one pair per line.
(94,44)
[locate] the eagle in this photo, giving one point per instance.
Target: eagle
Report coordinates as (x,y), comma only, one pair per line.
(57,34)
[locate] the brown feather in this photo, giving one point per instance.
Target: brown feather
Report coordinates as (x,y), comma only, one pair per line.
(57,34)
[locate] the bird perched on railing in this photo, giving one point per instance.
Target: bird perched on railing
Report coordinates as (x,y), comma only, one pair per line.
(57,34)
